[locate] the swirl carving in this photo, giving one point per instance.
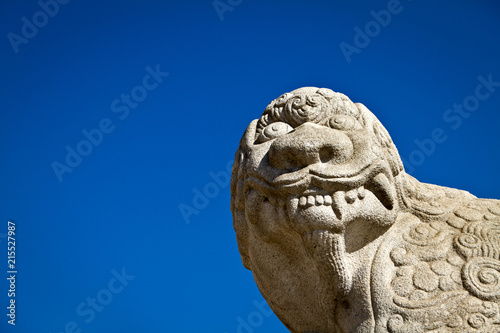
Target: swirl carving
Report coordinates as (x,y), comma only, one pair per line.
(481,277)
(468,245)
(425,235)
(477,320)
(302,108)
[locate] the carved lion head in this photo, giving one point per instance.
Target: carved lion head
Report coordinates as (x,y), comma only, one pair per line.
(316,185)
(318,160)
(314,168)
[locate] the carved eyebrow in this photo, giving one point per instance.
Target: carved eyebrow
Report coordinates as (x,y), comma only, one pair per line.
(336,103)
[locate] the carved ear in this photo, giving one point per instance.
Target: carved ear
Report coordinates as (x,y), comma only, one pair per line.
(241,229)
(383,139)
(390,151)
(250,135)
(238,205)
(238,176)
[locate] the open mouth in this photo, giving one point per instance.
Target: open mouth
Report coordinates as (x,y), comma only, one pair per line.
(313,202)
(314,187)
(333,200)
(315,206)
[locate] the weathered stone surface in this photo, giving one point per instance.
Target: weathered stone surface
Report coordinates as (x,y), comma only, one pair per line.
(340,239)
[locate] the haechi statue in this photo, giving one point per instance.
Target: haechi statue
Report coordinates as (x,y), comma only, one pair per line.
(340,239)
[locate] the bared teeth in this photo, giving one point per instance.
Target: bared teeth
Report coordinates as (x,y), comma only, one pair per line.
(350,196)
(361,193)
(328,200)
(337,202)
(381,187)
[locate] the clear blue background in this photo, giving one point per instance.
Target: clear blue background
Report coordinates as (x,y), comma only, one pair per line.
(120,207)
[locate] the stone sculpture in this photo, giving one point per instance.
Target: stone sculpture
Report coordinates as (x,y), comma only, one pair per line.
(340,239)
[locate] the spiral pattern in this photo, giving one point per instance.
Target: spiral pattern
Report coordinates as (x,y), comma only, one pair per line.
(309,104)
(424,235)
(481,277)
(468,245)
(477,320)
(395,323)
(306,108)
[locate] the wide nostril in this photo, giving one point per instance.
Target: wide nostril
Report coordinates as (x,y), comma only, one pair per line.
(289,160)
(310,144)
(326,154)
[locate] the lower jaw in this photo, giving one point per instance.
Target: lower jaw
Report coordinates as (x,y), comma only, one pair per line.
(336,216)
(306,219)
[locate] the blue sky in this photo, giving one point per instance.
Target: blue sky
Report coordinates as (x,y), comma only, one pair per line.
(116,116)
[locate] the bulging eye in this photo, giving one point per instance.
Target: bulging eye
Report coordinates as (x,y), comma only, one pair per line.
(344,122)
(274,130)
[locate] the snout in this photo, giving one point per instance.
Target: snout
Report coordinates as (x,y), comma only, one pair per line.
(310,144)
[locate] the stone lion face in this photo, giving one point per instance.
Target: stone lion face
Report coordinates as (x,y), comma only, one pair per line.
(322,160)
(314,168)
(340,239)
